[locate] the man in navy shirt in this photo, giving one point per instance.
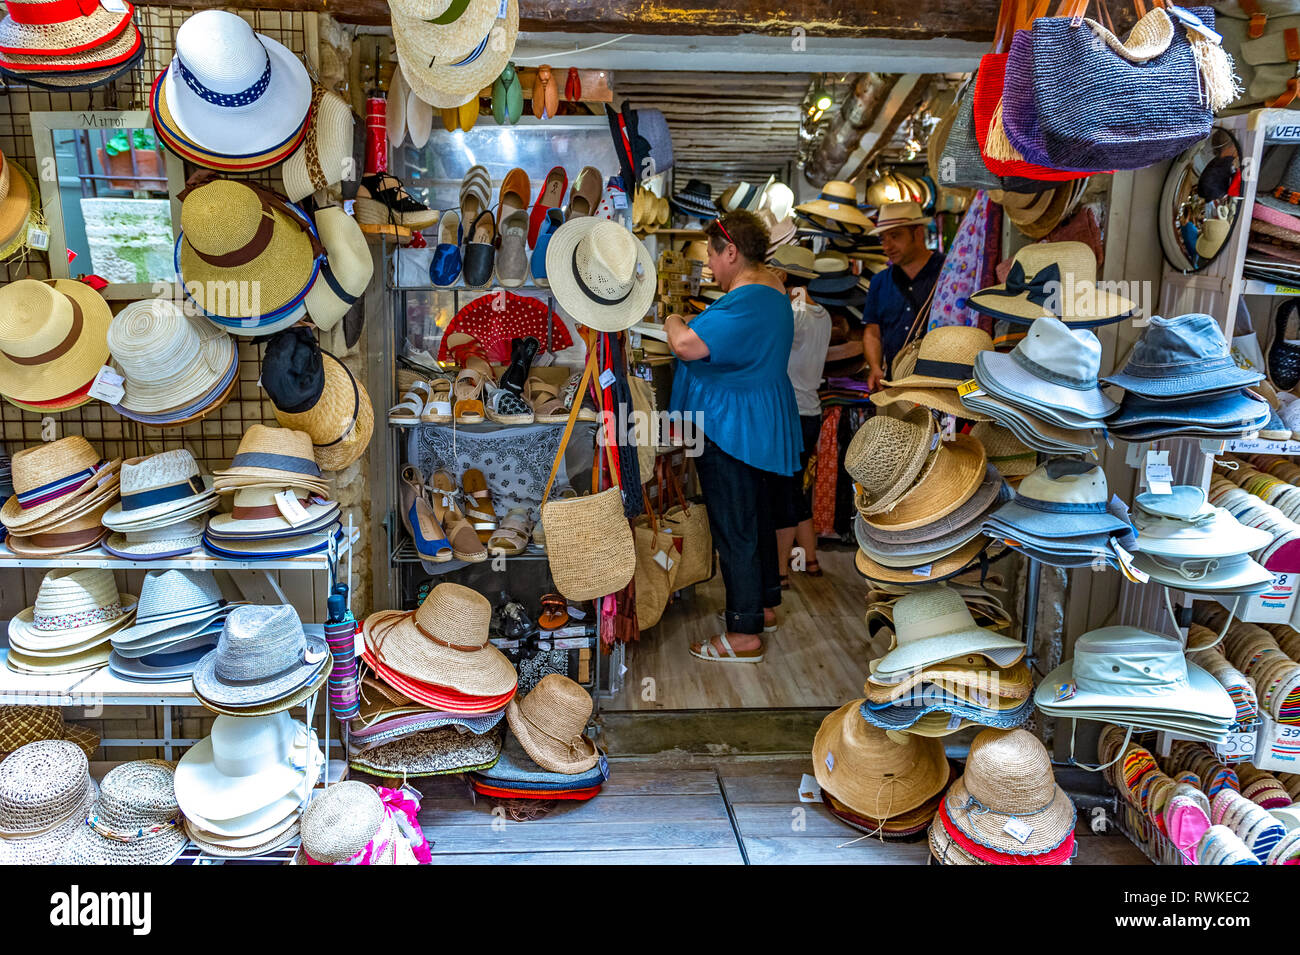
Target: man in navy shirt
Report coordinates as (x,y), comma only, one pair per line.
(899,293)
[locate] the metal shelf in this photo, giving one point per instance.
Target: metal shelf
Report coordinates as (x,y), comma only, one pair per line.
(485,427)
(1260,287)
(197,560)
(404,553)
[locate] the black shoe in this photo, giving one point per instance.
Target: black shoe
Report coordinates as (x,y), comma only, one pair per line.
(479,253)
(522,353)
(1284,353)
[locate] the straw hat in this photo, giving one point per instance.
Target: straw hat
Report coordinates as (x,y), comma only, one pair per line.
(41,36)
(549,724)
(341,822)
(269,455)
(869,771)
(256,516)
(160,488)
(263,657)
(50,479)
(167,358)
(75,532)
(53,337)
(935,625)
(951,475)
(1004,450)
(940,569)
(778,198)
(72,67)
(447,66)
(259,844)
(135,821)
(326,151)
(886,455)
(1052,278)
(944,850)
(600,273)
(72,607)
(15,207)
(346,271)
(45,793)
(22,723)
(968,677)
(838,202)
(893,215)
(794,260)
(946,358)
(444,642)
(1008,784)
(435,752)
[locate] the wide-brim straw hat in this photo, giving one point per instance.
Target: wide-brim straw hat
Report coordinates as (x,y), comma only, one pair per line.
(549,724)
(946,358)
(39,31)
(1063,277)
(939,536)
(951,475)
(75,533)
(23,723)
(869,771)
(268,456)
(167,358)
(967,677)
(444,78)
(281,834)
(344,273)
(838,202)
(892,215)
(944,850)
(45,793)
(940,569)
(600,273)
(1004,450)
(15,207)
(326,150)
(53,337)
(945,400)
(341,421)
(886,456)
(135,820)
(74,606)
(52,479)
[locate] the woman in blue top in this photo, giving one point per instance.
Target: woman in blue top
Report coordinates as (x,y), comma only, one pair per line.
(732,383)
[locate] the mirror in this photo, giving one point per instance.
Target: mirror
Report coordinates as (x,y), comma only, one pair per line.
(106,187)
(1201,202)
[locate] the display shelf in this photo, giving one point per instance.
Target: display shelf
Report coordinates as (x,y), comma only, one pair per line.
(485,427)
(529,286)
(405,553)
(1261,446)
(197,560)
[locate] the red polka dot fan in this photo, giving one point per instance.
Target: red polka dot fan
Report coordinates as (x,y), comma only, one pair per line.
(500,316)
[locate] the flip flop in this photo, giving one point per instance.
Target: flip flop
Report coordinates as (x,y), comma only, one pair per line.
(555,612)
(707,651)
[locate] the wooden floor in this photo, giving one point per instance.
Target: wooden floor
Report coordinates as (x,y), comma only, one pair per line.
(817,657)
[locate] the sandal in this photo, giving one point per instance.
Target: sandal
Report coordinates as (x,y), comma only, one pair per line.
(548,406)
(813,570)
(505,407)
(383,200)
(438,408)
(555,612)
(707,651)
(465,543)
(512,534)
(469,353)
(410,410)
(515,622)
(418,518)
(588,409)
(478,503)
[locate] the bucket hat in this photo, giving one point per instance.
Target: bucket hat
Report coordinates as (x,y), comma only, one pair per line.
(892,215)
(72,607)
(263,657)
(345,271)
(549,723)
(1235,574)
(1053,366)
(271,456)
(45,793)
(156,486)
(443,642)
(173,604)
(53,337)
(1224,414)
(246,764)
(943,534)
(951,475)
(167,358)
(1182,356)
(874,774)
(1052,278)
(446,77)
(326,150)
(23,723)
(135,820)
(910,709)
(1183,525)
(696,199)
(600,273)
(934,625)
(1060,499)
(886,455)
(837,203)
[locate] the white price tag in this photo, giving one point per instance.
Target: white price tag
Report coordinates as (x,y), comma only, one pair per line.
(572,643)
(620,199)
(107,386)
(663,560)
(1018,829)
(1238,747)
(607,378)
(1159,475)
(37,238)
(577,614)
(347,205)
(113,6)
(809,790)
(293,512)
(923,571)
(1135,454)
(1126,564)
(570,632)
(501,643)
(830,762)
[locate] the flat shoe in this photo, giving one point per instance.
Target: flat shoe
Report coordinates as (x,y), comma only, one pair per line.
(707,651)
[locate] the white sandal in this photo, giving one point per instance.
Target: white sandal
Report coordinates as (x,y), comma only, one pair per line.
(710,653)
(410,410)
(438,408)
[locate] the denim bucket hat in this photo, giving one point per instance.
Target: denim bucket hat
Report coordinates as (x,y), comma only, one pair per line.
(902,715)
(1182,356)
(1061,498)
(1231,412)
(1053,366)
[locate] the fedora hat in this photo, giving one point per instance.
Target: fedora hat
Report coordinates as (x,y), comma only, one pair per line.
(51,479)
(53,337)
(173,604)
(233,91)
(271,456)
(170,540)
(934,625)
(167,358)
(326,150)
(874,774)
(837,202)
(1181,357)
(72,607)
(549,723)
(263,657)
(945,360)
(23,723)
(795,260)
(157,487)
(1053,278)
(76,532)
(444,642)
(345,271)
(600,273)
(135,820)
(893,215)
(45,794)
(886,455)
(448,65)
(778,198)
(696,199)
(256,515)
(169,663)
(435,752)
(952,473)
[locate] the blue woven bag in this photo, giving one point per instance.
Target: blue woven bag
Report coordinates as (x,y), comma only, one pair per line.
(1103,103)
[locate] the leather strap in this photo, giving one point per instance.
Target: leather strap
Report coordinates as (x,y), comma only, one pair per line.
(66,538)
(573,418)
(1258,19)
(63,347)
(270,203)
(1292,91)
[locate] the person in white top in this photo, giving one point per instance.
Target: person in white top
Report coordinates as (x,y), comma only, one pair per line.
(796,541)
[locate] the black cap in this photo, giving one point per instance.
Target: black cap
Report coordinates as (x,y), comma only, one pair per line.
(292,371)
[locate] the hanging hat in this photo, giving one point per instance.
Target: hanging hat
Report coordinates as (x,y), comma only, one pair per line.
(886,456)
(15,206)
(67,45)
(345,272)
(22,723)
(74,609)
(167,358)
(935,625)
(1053,278)
(53,337)
(695,200)
(263,657)
(893,215)
(600,273)
(51,479)
(326,152)
(268,456)
(447,65)
(838,203)
(135,820)
(45,793)
(314,392)
(549,723)
(162,485)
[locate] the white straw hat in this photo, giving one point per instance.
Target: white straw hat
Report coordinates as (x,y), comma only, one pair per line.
(159,486)
(72,607)
(933,625)
(600,273)
(453,27)
(346,271)
(325,156)
(167,358)
(45,793)
(443,77)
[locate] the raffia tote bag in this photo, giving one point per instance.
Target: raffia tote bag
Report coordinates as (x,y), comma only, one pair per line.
(643,403)
(690,524)
(588,539)
(657,563)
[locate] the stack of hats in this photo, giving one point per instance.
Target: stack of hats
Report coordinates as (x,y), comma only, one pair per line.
(264,662)
(1138,679)
(178,620)
(161,512)
(352,824)
(53,341)
(835,211)
(23,723)
(450,51)
(176,368)
(1181,380)
(135,821)
(1045,391)
(243,788)
(695,200)
(943,673)
(1005,808)
(944,362)
(1057,279)
(69,629)
(246,257)
(1186,543)
(280,504)
(984,606)
(314,392)
(886,784)
(6,483)
(66,47)
(547,755)
(230,99)
(45,795)
(1036,214)
(836,285)
(439,654)
(1012,458)
(61,491)
(1061,515)
(386,716)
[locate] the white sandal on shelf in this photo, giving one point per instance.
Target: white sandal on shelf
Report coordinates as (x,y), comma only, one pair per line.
(410,410)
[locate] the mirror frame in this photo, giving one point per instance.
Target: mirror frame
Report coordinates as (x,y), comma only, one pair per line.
(1177,170)
(43,126)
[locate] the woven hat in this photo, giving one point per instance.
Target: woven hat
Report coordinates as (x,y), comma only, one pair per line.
(837,202)
(549,724)
(600,273)
(944,850)
(259,844)
(326,151)
(263,657)
(72,607)
(448,74)
(173,604)
(1007,791)
(256,516)
(135,820)
(339,417)
(951,475)
(23,723)
(437,752)
(946,359)
(1053,278)
(270,455)
(53,337)
(344,273)
(444,642)
(157,487)
(45,793)
(15,206)
(339,823)
(231,90)
(1004,450)
(886,456)
(937,569)
(893,215)
(794,259)
(934,625)
(872,773)
(45,41)
(167,358)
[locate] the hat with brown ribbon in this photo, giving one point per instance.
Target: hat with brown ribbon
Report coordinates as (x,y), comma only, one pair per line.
(53,337)
(549,724)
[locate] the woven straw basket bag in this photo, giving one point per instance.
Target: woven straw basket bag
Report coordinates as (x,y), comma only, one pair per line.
(654,583)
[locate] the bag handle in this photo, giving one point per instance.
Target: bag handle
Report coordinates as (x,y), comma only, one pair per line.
(676,486)
(568,426)
(1009,14)
(922,312)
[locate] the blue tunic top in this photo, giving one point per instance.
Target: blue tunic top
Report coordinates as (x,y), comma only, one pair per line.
(740,396)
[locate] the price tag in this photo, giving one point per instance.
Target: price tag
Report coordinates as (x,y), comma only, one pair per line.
(663,560)
(1018,829)
(577,614)
(607,378)
(293,512)
(501,643)
(1126,564)
(1193,22)
(620,199)
(37,238)
(1238,747)
(809,790)
(347,205)
(954,721)
(1135,454)
(579,631)
(832,205)
(971,387)
(107,386)
(830,762)
(1159,475)
(923,571)
(573,643)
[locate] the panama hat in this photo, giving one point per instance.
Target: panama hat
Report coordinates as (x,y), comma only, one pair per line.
(263,657)
(72,607)
(270,457)
(255,515)
(276,548)
(549,723)
(135,820)
(446,77)
(50,479)
(173,604)
(794,259)
(951,475)
(893,215)
(935,625)
(1053,278)
(53,337)
(15,206)
(874,774)
(600,273)
(444,642)
(158,486)
(45,793)
(838,202)
(74,532)
(345,272)
(22,723)
(326,150)
(167,358)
